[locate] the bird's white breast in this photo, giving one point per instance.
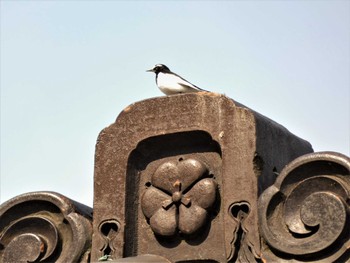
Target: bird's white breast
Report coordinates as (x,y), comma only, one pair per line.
(172,84)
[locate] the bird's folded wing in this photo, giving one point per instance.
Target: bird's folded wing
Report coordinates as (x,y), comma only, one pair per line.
(181,81)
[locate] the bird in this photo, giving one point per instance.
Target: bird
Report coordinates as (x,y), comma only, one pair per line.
(170,83)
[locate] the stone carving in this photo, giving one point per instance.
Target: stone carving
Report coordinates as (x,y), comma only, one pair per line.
(305,215)
(109,230)
(241,248)
(44,227)
(178,198)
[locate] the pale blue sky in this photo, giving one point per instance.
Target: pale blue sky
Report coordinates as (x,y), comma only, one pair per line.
(68,68)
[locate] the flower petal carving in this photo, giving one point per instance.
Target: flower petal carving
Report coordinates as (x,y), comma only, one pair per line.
(158,198)
(163,222)
(203,193)
(165,177)
(191,219)
(191,170)
(188,171)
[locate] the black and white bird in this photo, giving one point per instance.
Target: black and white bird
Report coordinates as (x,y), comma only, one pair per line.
(170,83)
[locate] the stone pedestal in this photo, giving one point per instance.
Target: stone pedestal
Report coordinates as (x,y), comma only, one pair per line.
(180,177)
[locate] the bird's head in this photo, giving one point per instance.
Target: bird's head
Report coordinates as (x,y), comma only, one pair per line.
(159,68)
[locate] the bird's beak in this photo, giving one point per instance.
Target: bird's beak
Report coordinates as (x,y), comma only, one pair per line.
(150,70)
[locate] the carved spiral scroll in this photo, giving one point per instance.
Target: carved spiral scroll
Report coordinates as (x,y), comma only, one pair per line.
(305,214)
(44,227)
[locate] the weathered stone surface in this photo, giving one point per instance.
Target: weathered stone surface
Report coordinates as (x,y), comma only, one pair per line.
(44,227)
(142,259)
(240,151)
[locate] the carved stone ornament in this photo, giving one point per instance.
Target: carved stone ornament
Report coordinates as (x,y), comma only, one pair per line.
(304,216)
(178,198)
(44,227)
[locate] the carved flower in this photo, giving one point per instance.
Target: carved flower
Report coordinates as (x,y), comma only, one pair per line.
(179,197)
